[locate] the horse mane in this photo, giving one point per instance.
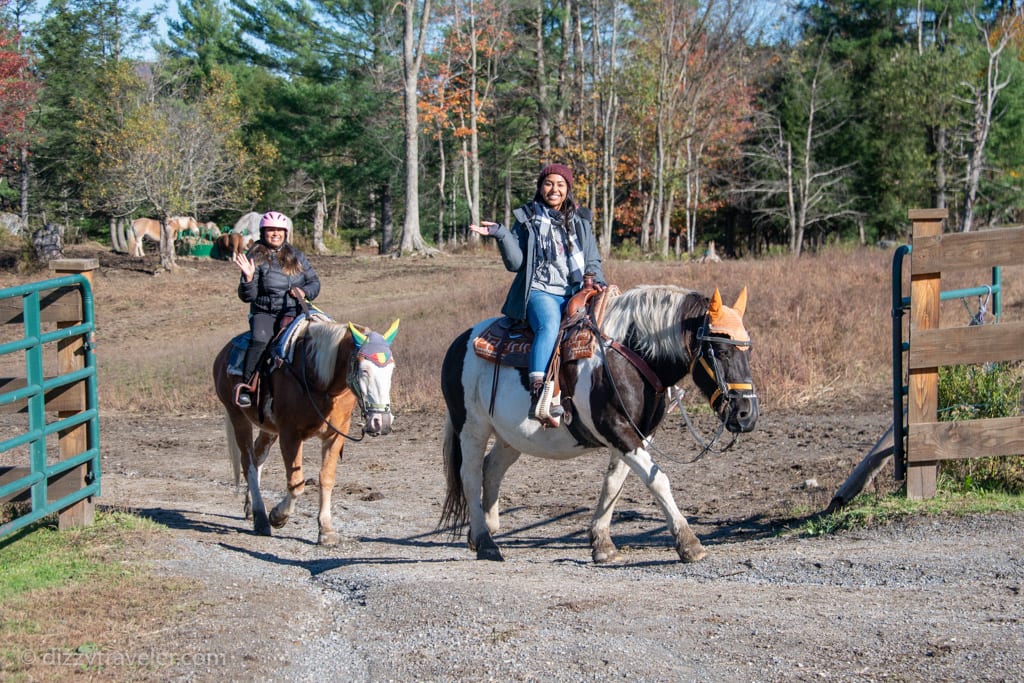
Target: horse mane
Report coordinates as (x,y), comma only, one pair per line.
(323,339)
(648,318)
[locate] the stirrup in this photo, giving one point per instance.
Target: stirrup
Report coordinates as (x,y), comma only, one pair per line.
(541,408)
(243,395)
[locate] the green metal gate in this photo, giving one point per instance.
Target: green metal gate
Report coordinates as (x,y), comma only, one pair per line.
(72,477)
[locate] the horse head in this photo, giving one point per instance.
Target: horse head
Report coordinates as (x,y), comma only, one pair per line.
(721,364)
(369,377)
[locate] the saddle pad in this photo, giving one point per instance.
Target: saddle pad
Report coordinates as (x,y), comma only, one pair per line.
(511,337)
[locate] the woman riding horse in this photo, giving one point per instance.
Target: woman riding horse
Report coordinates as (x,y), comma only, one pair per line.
(276,278)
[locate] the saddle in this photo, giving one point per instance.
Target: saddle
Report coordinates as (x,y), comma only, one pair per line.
(507,342)
(278,352)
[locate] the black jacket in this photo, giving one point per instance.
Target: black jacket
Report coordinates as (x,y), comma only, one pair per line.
(267,292)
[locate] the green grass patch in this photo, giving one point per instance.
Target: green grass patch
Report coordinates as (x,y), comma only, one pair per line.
(40,556)
(870,510)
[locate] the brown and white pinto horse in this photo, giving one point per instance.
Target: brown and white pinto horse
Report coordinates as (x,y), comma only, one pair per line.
(149,229)
(333,368)
(617,402)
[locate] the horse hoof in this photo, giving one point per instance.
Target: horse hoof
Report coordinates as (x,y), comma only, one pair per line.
(606,557)
(692,553)
(493,554)
(277,520)
(261,525)
(487,549)
(328,538)
(247,511)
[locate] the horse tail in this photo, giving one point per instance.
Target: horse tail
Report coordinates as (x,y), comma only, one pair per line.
(454,512)
(234,452)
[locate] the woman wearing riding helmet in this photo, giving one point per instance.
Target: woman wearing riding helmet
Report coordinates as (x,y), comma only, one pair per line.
(276,277)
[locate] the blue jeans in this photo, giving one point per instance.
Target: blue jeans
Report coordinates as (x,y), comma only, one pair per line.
(544,313)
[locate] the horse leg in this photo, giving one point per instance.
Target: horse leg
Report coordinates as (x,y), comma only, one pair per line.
(473,444)
(602,549)
(331,450)
(261,449)
(291,453)
(253,460)
(496,464)
(687,544)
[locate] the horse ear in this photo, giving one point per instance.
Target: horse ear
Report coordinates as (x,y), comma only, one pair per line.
(389,336)
(715,307)
(358,336)
(741,302)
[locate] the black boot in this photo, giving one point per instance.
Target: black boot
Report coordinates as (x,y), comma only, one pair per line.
(243,390)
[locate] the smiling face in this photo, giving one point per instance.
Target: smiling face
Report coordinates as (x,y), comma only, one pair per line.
(274,237)
(554,189)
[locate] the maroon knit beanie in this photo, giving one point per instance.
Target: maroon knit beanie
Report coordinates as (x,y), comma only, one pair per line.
(555,169)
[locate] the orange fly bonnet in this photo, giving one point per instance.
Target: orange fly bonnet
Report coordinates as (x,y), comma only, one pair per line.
(726,320)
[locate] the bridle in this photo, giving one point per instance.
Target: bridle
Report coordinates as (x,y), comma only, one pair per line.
(378,358)
(707,359)
(381,359)
(724,390)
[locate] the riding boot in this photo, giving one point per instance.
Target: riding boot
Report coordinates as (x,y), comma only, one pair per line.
(243,390)
(535,391)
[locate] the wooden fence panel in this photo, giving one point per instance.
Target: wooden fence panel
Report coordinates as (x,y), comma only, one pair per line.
(928,440)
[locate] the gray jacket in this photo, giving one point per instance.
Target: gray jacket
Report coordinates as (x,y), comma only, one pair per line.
(517,247)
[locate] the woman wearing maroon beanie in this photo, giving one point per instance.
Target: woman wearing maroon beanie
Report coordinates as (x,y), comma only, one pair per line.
(549,248)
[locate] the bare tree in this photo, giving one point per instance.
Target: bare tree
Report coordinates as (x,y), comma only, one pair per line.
(983,104)
(175,156)
(792,169)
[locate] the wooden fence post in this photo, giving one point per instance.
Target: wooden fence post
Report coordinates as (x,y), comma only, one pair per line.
(72,441)
(923,384)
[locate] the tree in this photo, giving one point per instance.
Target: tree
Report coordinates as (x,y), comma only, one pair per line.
(18,92)
(414,33)
(174,155)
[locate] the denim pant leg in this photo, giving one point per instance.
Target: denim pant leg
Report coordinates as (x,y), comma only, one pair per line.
(544,313)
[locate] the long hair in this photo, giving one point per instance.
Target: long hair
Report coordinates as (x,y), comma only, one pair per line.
(290,264)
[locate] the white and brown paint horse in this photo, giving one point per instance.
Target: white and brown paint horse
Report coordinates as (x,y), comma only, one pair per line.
(616,404)
(333,369)
(149,229)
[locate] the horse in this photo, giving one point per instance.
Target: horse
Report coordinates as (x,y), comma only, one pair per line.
(231,243)
(329,370)
(149,228)
(651,338)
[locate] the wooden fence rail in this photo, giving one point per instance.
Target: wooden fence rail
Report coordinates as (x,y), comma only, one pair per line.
(931,346)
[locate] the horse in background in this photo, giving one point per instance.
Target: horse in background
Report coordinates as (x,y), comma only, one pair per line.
(311,391)
(149,229)
(231,243)
(615,398)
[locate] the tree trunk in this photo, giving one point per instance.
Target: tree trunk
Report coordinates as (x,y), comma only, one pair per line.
(318,222)
(543,107)
(412,55)
(166,246)
(387,221)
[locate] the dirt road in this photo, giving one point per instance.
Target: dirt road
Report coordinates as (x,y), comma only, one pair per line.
(934,599)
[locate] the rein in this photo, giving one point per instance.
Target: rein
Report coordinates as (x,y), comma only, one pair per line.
(309,395)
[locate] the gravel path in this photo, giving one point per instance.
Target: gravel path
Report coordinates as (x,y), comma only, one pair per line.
(922,600)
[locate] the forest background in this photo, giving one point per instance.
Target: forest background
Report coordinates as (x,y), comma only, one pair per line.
(761,126)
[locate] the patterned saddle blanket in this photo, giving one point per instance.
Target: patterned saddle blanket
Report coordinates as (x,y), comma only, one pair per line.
(507,341)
